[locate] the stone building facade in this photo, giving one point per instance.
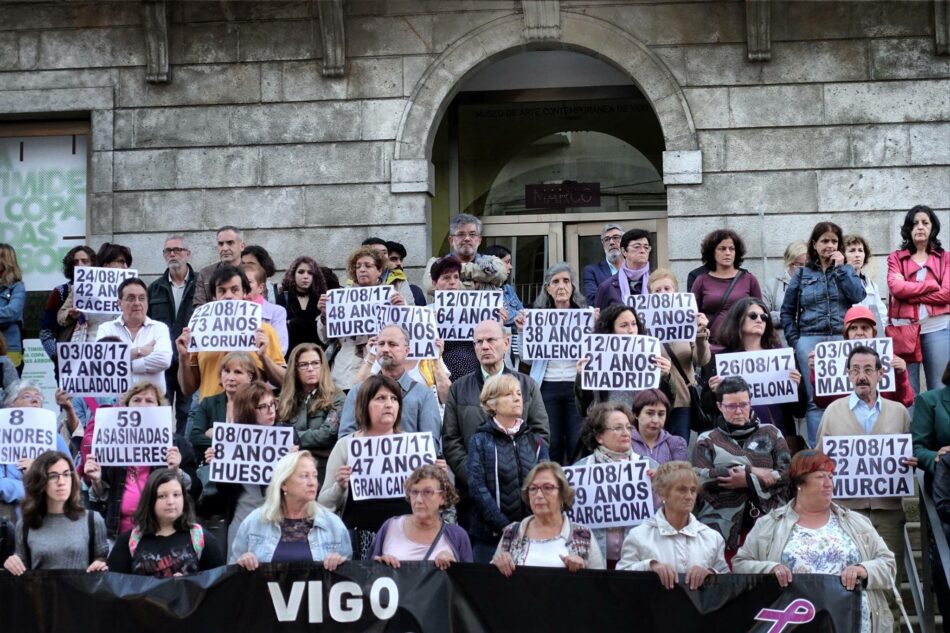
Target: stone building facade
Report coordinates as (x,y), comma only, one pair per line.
(312,123)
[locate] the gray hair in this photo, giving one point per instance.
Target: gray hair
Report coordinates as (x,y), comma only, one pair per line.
(176,236)
(545,300)
(457,221)
(405,332)
(15,389)
(610,227)
(230,227)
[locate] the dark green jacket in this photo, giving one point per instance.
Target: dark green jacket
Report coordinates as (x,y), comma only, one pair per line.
(930,426)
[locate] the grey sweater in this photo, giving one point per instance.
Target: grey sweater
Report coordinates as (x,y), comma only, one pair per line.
(61,543)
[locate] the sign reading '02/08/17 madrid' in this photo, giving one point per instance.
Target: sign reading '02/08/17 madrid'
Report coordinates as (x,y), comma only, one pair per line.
(766,371)
(669,316)
(620,362)
(457,312)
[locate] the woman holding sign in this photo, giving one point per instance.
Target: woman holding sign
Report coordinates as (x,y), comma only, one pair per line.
(86,325)
(673,541)
(812,535)
(237,369)
(378,412)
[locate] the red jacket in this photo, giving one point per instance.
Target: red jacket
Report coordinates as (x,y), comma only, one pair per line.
(903,394)
(908,293)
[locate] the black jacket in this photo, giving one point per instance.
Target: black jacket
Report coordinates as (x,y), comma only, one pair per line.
(161,305)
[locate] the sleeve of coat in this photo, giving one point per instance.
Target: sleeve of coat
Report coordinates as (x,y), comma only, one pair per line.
(924,434)
(482,497)
(790,309)
(332,495)
(632,556)
(752,556)
(348,415)
(850,284)
(881,566)
(537,416)
(453,449)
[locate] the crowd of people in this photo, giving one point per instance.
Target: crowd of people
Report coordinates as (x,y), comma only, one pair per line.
(736,485)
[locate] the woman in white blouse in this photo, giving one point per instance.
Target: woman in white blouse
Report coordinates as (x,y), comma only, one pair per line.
(673,541)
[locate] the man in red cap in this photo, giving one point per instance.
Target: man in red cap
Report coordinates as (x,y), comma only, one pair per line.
(859,323)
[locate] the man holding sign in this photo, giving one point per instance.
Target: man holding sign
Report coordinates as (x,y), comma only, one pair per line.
(865,412)
(150,340)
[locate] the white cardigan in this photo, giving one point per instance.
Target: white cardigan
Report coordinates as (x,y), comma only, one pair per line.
(655,540)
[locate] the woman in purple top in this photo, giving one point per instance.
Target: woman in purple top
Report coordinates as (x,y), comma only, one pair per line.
(650,410)
(722,252)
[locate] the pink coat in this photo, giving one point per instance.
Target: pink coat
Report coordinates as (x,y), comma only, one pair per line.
(908,294)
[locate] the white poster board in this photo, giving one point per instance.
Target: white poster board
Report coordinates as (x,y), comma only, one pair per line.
(380,464)
(612,494)
(247,453)
(225,326)
(96,290)
(132,436)
(352,311)
(555,334)
(831,371)
(620,362)
(457,312)
(26,433)
(95,370)
(766,371)
(870,466)
(419,323)
(669,316)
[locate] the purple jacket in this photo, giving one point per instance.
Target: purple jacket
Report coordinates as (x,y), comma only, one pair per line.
(668,448)
(456,536)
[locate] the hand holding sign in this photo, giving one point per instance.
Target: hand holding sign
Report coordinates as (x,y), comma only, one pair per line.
(95,290)
(224,326)
(26,433)
(94,369)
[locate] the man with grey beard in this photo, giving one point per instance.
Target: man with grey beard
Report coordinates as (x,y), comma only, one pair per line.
(170,300)
(596,274)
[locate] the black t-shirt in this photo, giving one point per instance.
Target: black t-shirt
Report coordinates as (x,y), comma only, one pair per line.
(164,556)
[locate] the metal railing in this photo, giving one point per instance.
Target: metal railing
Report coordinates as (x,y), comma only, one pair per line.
(922,588)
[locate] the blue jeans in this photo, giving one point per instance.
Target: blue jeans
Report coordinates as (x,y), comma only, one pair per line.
(806,345)
(563,419)
(935,348)
(677,423)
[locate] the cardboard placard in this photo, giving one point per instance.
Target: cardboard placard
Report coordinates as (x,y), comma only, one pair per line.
(96,290)
(669,316)
(831,371)
(26,433)
(132,436)
(871,465)
(381,463)
(457,312)
(247,453)
(612,494)
(352,311)
(766,371)
(620,362)
(419,322)
(228,325)
(555,334)
(94,370)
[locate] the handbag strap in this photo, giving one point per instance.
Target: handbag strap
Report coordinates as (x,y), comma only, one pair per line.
(676,362)
(725,297)
(435,541)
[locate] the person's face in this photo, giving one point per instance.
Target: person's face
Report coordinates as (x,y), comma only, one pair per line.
(303,277)
(59,481)
(229,247)
(637,253)
(626,323)
(366,272)
(255,286)
(754,320)
(29,398)
(383,409)
(798,262)
(651,421)
(922,228)
(491,344)
(725,253)
(395,260)
(449,281)
(854,254)
(560,288)
(81,258)
(426,497)
(169,502)
(466,240)
(229,289)
(175,252)
(391,348)
(309,369)
(509,405)
(681,495)
(664,284)
(302,484)
(506,260)
(860,329)
(864,375)
(265,413)
(147,398)
(618,433)
(611,242)
(134,304)
(818,488)
(826,244)
(736,408)
(544,494)
(233,375)
(121,262)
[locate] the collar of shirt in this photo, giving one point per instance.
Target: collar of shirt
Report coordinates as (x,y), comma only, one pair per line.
(121,321)
(486,375)
(854,401)
(613,269)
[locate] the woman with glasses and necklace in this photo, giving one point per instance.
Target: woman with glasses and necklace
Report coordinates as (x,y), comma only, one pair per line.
(423,535)
(742,466)
(547,538)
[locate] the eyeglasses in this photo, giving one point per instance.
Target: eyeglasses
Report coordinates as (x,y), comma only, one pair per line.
(470,235)
(611,238)
(626,428)
(54,476)
(176,250)
(135,299)
(425,493)
(867,372)
(756,316)
(640,248)
(29,399)
(546,489)
(267,406)
(313,364)
(732,407)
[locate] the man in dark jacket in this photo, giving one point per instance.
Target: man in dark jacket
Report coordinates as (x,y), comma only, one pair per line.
(170,301)
(599,272)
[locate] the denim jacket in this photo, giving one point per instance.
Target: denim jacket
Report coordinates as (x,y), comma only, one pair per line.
(816,300)
(260,537)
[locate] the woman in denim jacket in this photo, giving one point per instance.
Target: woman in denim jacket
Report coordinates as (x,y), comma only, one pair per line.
(817,297)
(290,526)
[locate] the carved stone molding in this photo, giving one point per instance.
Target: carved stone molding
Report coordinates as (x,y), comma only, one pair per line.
(942,26)
(333,35)
(758,28)
(542,19)
(155,20)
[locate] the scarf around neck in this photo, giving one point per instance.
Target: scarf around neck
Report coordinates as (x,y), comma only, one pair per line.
(626,275)
(603,455)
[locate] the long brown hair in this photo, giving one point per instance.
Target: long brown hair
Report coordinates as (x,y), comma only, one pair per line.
(293,393)
(144,516)
(10,272)
(34,505)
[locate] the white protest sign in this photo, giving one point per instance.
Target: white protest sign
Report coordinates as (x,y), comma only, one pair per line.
(870,465)
(94,370)
(39,369)
(27,432)
(555,334)
(458,311)
(612,494)
(247,453)
(766,371)
(381,463)
(419,322)
(132,436)
(224,326)
(831,371)
(669,316)
(620,362)
(96,290)
(352,311)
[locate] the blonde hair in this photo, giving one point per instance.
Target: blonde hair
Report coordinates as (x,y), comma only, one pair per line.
(664,273)
(795,250)
(251,269)
(142,387)
(496,386)
(10,272)
(273,507)
(245,360)
(669,472)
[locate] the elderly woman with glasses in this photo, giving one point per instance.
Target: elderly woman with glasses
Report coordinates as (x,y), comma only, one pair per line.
(423,535)
(547,537)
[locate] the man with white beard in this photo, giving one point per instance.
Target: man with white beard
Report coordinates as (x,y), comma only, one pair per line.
(596,274)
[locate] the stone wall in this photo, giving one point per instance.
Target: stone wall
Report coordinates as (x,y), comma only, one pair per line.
(849,119)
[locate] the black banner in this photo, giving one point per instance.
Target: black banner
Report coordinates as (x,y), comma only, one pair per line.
(417,598)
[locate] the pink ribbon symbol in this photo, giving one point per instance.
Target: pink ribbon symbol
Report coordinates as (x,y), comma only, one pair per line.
(798,612)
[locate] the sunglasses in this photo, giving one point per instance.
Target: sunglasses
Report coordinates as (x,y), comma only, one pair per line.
(755,316)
